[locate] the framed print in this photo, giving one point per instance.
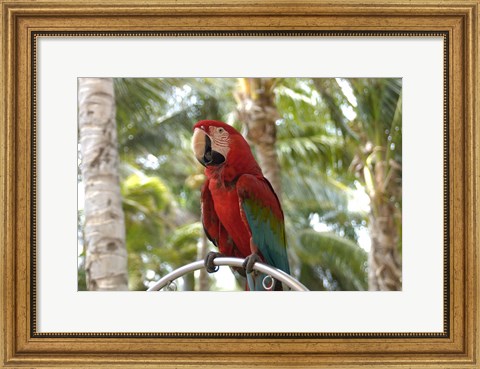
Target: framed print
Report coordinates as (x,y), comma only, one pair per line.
(378,100)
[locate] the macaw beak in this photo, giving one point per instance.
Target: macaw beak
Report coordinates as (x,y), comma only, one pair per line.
(202,148)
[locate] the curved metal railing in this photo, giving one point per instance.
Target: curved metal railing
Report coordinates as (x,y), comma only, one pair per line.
(233,262)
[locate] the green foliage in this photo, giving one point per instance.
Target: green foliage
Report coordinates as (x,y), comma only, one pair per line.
(82,279)
(331,262)
(182,244)
(148,213)
(306,135)
(372,137)
(304,132)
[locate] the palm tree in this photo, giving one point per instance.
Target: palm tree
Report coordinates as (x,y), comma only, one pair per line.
(104,228)
(382,107)
(373,138)
(317,191)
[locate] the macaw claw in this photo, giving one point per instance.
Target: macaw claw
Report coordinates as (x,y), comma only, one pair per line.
(250,262)
(209,258)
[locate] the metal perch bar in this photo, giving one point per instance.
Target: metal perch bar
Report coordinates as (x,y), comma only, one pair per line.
(233,262)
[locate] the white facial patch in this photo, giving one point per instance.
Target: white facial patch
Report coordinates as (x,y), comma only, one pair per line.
(220,140)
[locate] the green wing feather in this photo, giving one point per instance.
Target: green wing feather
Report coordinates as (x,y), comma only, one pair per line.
(262,212)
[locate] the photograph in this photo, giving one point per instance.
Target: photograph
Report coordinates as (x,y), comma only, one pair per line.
(303,175)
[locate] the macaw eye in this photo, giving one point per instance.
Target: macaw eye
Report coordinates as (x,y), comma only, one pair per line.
(220,130)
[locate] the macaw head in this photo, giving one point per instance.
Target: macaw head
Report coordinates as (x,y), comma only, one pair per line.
(217,144)
(211,141)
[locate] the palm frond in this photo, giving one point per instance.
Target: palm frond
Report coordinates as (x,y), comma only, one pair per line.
(334,99)
(344,259)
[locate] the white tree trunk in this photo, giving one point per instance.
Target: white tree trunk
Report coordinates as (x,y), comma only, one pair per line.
(104,229)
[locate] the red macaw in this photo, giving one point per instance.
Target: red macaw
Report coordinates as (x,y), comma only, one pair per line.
(241,213)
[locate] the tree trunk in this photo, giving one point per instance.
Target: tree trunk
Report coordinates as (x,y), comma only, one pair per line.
(385,270)
(104,229)
(256,109)
(381,182)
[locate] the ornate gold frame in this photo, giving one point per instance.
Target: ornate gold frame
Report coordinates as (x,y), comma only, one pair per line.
(23,347)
